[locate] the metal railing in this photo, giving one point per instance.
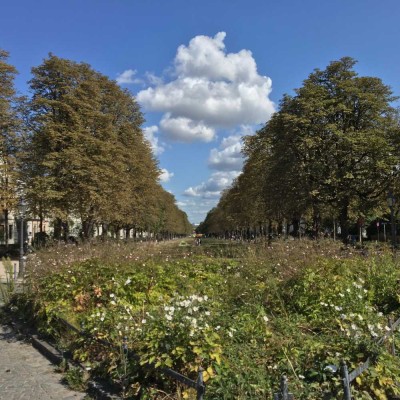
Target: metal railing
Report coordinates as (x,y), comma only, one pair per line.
(346,377)
(198,385)
(283,394)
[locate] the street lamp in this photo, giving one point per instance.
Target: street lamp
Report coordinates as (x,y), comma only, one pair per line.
(21,211)
(391,200)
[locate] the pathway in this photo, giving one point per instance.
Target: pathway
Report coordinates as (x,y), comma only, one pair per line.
(26,375)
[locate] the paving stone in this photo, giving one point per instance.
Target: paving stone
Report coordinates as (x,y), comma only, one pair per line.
(26,375)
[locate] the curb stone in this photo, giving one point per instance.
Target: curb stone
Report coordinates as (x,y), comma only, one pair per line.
(52,354)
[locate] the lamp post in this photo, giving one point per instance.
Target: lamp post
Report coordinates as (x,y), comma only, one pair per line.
(391,200)
(21,211)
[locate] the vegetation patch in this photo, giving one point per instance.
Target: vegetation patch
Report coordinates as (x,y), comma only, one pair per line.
(245,313)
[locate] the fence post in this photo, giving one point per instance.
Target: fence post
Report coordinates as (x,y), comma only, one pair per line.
(393,344)
(345,382)
(200,388)
(284,390)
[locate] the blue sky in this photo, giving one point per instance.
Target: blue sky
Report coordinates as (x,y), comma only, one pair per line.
(205,72)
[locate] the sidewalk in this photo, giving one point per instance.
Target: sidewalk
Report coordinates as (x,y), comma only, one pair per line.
(26,375)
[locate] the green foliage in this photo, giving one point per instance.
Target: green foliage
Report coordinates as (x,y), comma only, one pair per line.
(10,124)
(331,151)
(76,379)
(293,309)
(85,156)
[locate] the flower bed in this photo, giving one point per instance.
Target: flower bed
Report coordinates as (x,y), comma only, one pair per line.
(244,313)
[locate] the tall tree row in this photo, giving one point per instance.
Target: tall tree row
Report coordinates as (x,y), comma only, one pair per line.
(331,151)
(83,154)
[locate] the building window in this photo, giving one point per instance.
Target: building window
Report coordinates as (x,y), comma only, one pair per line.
(10,232)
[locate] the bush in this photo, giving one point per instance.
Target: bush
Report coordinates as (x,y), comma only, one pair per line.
(245,313)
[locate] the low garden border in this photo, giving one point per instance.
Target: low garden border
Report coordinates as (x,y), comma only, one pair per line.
(198,385)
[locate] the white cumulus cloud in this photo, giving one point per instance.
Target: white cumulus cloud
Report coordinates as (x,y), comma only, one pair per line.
(165,175)
(211,89)
(185,130)
(228,157)
(150,134)
(128,77)
(213,186)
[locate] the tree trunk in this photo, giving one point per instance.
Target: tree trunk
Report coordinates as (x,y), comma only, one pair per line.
(104,231)
(296,227)
(316,222)
(87,227)
(6,238)
(65,232)
(344,221)
(57,229)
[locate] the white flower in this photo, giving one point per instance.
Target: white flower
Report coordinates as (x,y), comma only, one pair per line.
(113,302)
(387,328)
(341,294)
(265,318)
(168,317)
(143,321)
(112,295)
(128,281)
(302,377)
(207,313)
(230,334)
(185,303)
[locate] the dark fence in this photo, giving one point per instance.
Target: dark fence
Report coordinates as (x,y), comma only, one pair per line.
(283,394)
(198,385)
(346,376)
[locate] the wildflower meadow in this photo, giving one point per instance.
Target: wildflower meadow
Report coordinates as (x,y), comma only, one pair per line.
(244,312)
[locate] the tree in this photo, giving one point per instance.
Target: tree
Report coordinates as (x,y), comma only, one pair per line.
(332,149)
(86,155)
(9,125)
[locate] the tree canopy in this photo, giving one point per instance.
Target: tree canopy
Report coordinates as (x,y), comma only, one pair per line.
(9,126)
(85,155)
(330,151)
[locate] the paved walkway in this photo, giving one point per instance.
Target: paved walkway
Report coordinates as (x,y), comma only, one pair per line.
(26,375)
